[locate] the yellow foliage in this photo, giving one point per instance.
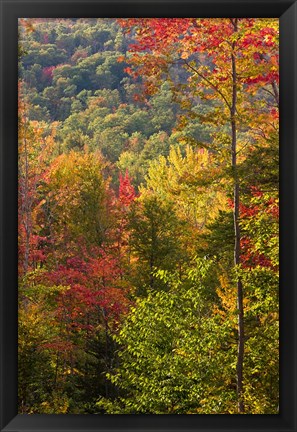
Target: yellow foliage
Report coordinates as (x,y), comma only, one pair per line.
(188,180)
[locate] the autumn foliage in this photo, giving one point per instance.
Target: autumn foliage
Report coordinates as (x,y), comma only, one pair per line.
(148,216)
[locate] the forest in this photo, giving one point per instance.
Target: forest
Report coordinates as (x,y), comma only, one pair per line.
(148,216)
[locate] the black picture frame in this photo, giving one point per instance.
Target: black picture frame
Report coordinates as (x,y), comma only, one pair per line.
(286,11)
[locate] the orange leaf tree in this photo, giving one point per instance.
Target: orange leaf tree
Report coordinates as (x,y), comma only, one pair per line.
(230,66)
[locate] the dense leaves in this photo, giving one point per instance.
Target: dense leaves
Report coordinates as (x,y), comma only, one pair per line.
(148,216)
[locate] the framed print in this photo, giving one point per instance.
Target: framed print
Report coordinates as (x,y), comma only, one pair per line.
(148,215)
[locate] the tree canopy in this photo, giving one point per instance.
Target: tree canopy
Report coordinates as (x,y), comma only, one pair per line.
(148,216)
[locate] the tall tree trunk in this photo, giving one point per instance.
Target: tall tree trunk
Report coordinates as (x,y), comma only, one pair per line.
(240,348)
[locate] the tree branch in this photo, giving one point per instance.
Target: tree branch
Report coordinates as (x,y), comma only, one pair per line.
(209,82)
